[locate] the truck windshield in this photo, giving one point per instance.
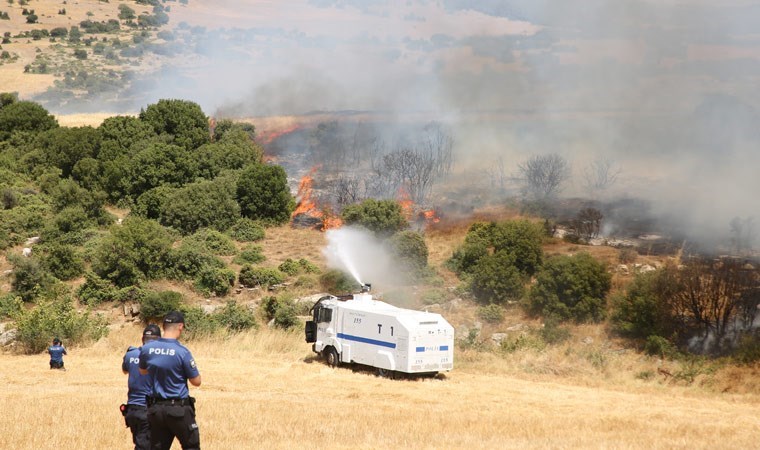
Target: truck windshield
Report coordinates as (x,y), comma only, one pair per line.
(324,315)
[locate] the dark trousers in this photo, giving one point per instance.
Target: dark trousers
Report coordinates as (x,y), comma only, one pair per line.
(56,364)
(137,421)
(168,421)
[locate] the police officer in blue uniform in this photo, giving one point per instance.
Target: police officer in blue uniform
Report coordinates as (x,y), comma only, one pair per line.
(136,410)
(171,410)
(56,351)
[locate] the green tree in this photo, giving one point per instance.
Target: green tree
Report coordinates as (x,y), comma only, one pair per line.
(126,13)
(571,287)
(151,203)
(30,278)
(233,151)
(644,310)
(63,261)
(383,217)
(160,164)
(263,194)
(122,136)
(200,205)
(136,250)
(64,147)
(24,116)
(180,120)
(410,250)
(496,279)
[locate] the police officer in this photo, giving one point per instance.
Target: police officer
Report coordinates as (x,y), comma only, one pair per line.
(56,351)
(171,410)
(136,413)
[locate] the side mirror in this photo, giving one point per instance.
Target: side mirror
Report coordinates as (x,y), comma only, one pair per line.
(311,331)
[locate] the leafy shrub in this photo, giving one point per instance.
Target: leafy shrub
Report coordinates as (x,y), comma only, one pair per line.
(466,256)
(198,324)
(338,282)
(181,121)
(496,279)
(525,341)
(747,351)
(249,255)
(24,116)
(235,317)
(189,259)
(260,276)
(155,305)
(214,281)
(63,261)
(152,202)
(307,266)
(491,313)
(138,249)
(659,346)
(552,333)
(200,205)
(571,287)
(410,250)
(247,230)
(95,290)
(30,278)
(56,317)
(212,241)
(281,310)
(383,217)
(10,305)
(642,310)
(263,193)
(290,267)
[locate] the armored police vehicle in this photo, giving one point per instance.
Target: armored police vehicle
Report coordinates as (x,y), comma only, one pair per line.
(358,329)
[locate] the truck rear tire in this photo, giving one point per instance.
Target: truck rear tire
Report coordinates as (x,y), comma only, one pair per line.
(331,356)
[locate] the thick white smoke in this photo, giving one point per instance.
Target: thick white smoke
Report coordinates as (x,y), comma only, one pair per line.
(357,252)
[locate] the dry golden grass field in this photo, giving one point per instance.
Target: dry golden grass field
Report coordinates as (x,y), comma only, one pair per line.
(265,390)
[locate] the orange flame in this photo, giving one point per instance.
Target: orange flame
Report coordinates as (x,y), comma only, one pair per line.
(405,202)
(266,137)
(308,206)
(431,216)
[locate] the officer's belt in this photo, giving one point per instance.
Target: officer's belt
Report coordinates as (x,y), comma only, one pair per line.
(169,401)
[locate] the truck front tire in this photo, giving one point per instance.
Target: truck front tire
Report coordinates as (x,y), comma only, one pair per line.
(331,356)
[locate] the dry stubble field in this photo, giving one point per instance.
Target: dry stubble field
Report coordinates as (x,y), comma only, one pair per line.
(265,390)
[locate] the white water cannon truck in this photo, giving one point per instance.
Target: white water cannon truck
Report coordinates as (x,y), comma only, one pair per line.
(355,328)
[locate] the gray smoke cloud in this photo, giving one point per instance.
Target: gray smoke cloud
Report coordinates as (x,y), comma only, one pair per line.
(665,88)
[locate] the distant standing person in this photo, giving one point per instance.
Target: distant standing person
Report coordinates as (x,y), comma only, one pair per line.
(56,352)
(171,410)
(140,388)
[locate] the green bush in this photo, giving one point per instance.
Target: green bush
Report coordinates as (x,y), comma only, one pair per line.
(290,267)
(30,278)
(188,260)
(525,341)
(748,350)
(249,255)
(496,279)
(212,241)
(552,333)
(214,281)
(235,317)
(280,310)
(63,261)
(24,116)
(263,194)
(10,305)
(181,121)
(642,310)
(410,251)
(466,256)
(571,287)
(95,290)
(382,217)
(247,230)
(251,276)
(57,318)
(155,305)
(307,266)
(136,250)
(198,324)
(338,282)
(659,346)
(150,204)
(200,205)
(491,313)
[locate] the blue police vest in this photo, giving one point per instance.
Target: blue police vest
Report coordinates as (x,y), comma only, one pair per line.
(56,353)
(140,386)
(170,365)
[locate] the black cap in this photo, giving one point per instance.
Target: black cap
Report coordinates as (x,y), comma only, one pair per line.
(56,341)
(151,332)
(174,317)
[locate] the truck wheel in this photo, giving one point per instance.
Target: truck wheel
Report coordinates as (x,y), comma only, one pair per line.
(385,373)
(331,356)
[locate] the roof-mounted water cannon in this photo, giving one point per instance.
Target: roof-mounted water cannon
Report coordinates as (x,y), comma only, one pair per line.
(366,288)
